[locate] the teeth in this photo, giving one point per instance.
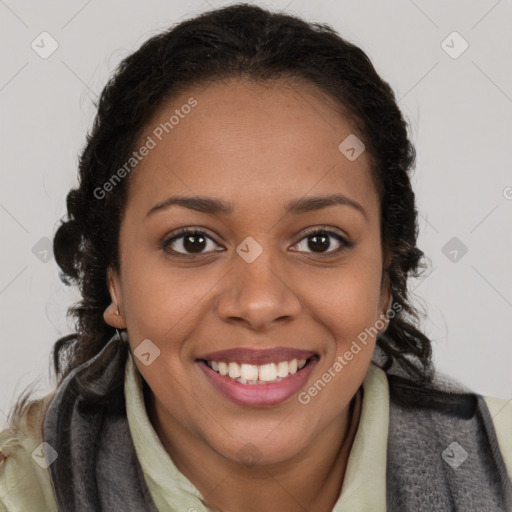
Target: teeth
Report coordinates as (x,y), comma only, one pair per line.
(268,372)
(223,368)
(257,374)
(248,372)
(282,369)
(234,370)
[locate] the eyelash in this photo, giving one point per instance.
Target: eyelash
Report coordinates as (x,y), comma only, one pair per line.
(344,243)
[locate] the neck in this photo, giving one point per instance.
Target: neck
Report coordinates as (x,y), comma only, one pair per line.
(311,481)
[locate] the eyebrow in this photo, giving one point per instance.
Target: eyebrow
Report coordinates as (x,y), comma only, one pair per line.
(217,206)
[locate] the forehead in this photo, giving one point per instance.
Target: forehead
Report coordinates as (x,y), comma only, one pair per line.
(243,140)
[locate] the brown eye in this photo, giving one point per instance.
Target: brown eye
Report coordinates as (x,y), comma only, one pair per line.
(320,241)
(188,242)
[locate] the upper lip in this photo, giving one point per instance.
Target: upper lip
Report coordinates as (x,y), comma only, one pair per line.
(257,356)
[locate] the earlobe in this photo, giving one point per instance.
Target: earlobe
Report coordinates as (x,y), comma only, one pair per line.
(112,316)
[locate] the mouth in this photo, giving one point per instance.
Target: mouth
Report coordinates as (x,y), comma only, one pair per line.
(265,384)
(254,374)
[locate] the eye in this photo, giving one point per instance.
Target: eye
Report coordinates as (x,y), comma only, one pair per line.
(187,242)
(319,241)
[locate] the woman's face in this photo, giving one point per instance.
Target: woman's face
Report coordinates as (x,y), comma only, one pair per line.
(253,281)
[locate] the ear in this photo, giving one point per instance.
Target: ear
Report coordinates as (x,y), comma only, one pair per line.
(110,314)
(385,297)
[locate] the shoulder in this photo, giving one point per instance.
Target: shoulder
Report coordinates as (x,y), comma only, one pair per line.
(447,405)
(25,482)
(501,414)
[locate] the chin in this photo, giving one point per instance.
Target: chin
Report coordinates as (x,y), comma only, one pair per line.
(258,451)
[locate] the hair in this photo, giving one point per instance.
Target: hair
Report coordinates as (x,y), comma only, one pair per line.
(250,42)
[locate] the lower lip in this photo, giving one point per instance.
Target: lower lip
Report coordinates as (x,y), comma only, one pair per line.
(259,395)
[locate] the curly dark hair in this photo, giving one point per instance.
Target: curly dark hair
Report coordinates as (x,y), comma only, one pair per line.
(245,41)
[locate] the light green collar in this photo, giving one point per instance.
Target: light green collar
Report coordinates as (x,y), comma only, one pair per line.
(364,484)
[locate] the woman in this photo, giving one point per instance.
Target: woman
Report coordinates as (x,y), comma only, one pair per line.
(242,235)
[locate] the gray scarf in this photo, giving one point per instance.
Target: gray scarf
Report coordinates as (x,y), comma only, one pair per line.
(97,467)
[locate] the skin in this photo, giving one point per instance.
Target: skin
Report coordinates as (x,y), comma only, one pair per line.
(257,147)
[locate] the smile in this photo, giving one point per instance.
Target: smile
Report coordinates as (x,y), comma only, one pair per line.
(258,385)
(257,374)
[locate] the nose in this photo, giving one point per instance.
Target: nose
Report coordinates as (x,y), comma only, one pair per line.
(257,294)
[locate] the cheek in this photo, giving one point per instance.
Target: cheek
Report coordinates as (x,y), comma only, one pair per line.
(347,299)
(161,302)
(347,306)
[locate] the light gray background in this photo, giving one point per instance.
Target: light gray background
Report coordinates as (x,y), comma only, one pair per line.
(460,115)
